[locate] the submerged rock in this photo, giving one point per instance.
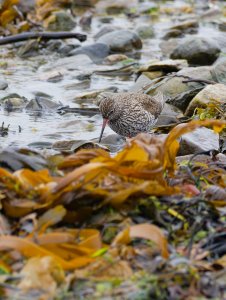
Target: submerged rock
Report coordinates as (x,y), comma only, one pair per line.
(210,94)
(121,40)
(3,84)
(197,51)
(199,140)
(145,31)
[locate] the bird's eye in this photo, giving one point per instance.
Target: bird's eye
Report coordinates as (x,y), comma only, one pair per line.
(110,112)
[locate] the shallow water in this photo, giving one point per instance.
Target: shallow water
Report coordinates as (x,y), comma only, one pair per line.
(28,76)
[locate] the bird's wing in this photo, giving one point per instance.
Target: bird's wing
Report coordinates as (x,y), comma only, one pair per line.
(154,104)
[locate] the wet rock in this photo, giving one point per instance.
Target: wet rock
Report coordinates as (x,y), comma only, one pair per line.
(84,2)
(68,63)
(180,94)
(13,101)
(178,30)
(145,31)
(64,50)
(201,139)
(173,33)
(60,21)
(147,7)
(186,25)
(41,94)
(123,71)
(85,84)
(219,70)
(197,51)
(97,52)
(104,30)
(168,46)
(166,66)
(113,142)
(54,45)
(42,104)
(114,58)
(40,145)
(153,74)
(91,95)
(3,84)
(13,159)
(210,94)
(28,49)
(52,76)
(142,82)
(116,7)
(168,115)
(86,20)
(74,146)
(121,41)
(106,20)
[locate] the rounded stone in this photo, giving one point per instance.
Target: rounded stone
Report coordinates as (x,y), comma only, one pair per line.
(121,41)
(197,51)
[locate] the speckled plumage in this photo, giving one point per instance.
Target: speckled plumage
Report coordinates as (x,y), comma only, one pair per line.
(130,113)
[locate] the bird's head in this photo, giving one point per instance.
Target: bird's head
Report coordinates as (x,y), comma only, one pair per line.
(108,108)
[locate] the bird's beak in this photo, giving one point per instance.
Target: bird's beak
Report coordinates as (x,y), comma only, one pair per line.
(105,121)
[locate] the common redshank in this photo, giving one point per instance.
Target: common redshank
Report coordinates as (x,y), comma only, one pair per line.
(130,113)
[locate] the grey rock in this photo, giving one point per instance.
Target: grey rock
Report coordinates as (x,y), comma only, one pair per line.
(173,33)
(65,50)
(140,84)
(89,3)
(96,52)
(60,21)
(54,45)
(210,94)
(168,65)
(121,41)
(219,70)
(145,7)
(3,84)
(168,115)
(145,31)
(180,94)
(113,142)
(41,94)
(13,159)
(197,51)
(104,30)
(106,20)
(199,140)
(185,25)
(13,101)
(42,104)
